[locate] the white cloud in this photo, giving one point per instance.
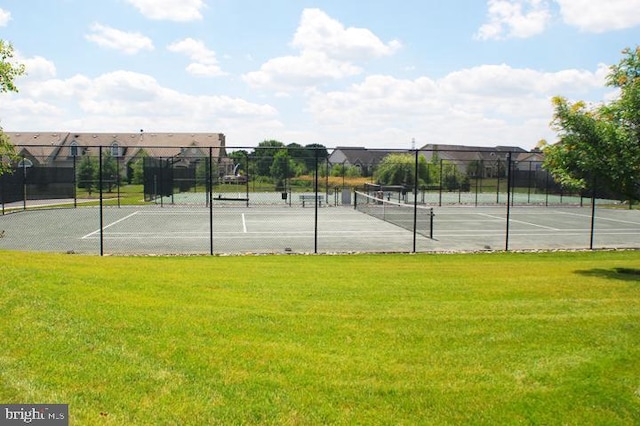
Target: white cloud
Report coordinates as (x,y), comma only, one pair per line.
(600,16)
(204,60)
(515,19)
(328,52)
(127,42)
(484,105)
(306,70)
(170,10)
(318,32)
(5,17)
(38,67)
(124,100)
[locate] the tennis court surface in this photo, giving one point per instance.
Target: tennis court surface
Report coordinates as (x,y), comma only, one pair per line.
(283,229)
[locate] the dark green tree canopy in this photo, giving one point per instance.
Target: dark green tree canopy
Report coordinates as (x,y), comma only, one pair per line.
(601,143)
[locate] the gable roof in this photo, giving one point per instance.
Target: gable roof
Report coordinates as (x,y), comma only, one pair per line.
(47,146)
(360,155)
(470,153)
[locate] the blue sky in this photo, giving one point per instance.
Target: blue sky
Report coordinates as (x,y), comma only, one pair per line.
(378,73)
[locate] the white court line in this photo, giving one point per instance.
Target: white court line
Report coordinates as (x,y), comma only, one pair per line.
(111,224)
(601,218)
(520,221)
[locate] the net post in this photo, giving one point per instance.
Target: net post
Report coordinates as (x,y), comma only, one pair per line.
(431,214)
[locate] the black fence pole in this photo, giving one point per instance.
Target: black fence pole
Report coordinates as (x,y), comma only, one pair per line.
(75,183)
(593,214)
(118,179)
(509,177)
(210,189)
(415,202)
(2,194)
(24,183)
(100,184)
(246,173)
(315,231)
(161,182)
(440,189)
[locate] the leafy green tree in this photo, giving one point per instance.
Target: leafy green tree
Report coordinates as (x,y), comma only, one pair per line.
(202,172)
(475,169)
(263,155)
(342,170)
(137,168)
(9,71)
(282,168)
(601,143)
(87,172)
(110,171)
(310,158)
(399,169)
(453,179)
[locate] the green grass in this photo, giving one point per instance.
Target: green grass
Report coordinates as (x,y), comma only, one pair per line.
(511,338)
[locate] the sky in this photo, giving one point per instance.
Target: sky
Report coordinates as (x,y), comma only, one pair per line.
(375,73)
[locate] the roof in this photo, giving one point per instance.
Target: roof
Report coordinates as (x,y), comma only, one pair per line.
(363,156)
(470,153)
(49,144)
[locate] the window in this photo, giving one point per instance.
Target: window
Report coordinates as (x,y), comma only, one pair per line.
(74,149)
(115,150)
(25,163)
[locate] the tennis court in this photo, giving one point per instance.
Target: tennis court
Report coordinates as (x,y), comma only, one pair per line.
(260,229)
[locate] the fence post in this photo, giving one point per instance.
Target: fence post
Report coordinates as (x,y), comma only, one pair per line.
(593,213)
(440,189)
(24,183)
(315,231)
(210,189)
(509,177)
(415,202)
(100,183)
(75,183)
(246,173)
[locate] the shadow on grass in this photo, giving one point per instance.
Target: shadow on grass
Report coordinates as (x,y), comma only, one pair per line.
(624,274)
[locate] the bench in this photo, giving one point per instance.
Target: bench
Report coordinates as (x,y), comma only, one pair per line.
(306,198)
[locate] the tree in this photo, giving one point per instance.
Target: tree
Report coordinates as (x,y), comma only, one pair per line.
(313,150)
(110,172)
(9,71)
(87,171)
(399,169)
(282,168)
(601,144)
(137,168)
(262,156)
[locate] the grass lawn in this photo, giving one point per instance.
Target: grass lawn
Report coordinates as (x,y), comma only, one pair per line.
(510,338)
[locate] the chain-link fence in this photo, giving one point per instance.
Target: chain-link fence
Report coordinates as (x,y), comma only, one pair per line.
(195,200)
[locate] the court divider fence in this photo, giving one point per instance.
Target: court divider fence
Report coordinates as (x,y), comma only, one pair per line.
(279,199)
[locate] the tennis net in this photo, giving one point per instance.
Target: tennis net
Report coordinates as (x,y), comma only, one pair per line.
(406,216)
